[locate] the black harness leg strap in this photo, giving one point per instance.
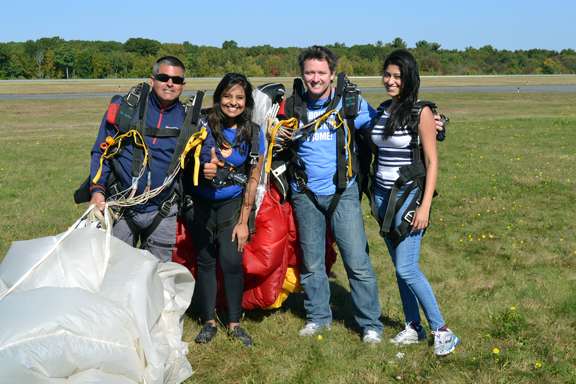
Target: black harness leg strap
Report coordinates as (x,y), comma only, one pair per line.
(394,206)
(402,230)
(333,204)
(390,211)
(189,127)
(135,229)
(341,166)
(138,153)
(163,212)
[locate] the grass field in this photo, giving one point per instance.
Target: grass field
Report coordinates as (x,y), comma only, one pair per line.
(500,254)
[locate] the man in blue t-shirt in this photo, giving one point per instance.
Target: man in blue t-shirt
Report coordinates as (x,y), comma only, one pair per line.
(318,153)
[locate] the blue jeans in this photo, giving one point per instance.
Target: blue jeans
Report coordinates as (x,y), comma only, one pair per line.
(413,285)
(348,231)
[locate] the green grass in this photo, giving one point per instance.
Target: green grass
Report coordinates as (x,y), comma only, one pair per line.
(500,254)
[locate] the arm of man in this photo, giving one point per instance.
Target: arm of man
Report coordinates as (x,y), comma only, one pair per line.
(98,189)
(365,114)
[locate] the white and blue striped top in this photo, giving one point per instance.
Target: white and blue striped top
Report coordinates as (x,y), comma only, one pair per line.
(393,151)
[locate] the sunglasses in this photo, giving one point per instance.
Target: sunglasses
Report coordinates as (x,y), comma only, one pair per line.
(162,77)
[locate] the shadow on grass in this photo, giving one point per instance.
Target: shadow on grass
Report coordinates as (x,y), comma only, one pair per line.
(340,303)
(343,309)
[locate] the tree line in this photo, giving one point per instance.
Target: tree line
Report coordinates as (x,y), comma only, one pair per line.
(55,58)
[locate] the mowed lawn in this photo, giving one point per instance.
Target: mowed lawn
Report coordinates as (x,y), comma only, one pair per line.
(500,252)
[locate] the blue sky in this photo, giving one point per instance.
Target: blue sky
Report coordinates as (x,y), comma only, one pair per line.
(504,24)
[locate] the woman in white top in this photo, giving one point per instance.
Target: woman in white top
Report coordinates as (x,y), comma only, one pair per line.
(406,171)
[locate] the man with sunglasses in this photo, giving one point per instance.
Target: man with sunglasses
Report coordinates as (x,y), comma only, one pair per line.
(160,115)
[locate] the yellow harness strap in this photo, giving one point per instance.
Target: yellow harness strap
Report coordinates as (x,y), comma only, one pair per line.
(293,124)
(194,142)
(116,142)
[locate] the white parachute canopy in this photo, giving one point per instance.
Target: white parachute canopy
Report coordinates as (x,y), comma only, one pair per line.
(83,307)
(267,99)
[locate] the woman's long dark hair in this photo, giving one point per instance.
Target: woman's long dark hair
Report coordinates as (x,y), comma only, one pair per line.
(400,112)
(218,120)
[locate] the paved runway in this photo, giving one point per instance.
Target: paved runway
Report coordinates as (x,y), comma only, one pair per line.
(466,89)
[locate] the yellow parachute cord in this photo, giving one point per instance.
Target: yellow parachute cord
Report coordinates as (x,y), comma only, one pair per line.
(339,122)
(289,123)
(117,142)
(319,121)
(194,142)
(293,124)
(348,149)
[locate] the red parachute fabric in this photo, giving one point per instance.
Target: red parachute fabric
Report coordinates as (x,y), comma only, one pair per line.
(271,251)
(184,252)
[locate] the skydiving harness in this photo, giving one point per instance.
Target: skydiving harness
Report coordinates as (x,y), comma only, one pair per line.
(129,118)
(410,177)
(287,163)
(228,174)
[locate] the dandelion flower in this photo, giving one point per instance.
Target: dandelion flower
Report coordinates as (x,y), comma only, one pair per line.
(538,364)
(496,350)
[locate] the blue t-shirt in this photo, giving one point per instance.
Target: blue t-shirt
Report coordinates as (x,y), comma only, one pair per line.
(237,158)
(318,151)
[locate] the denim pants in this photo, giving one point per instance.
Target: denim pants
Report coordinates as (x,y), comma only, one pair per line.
(348,231)
(413,285)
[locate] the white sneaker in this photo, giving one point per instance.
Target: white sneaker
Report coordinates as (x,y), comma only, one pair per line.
(408,336)
(371,337)
(445,342)
(311,329)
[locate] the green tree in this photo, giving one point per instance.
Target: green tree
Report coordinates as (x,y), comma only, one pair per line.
(551,66)
(4,61)
(425,45)
(398,43)
(48,65)
(345,65)
(83,68)
(55,57)
(143,47)
(65,58)
(229,44)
